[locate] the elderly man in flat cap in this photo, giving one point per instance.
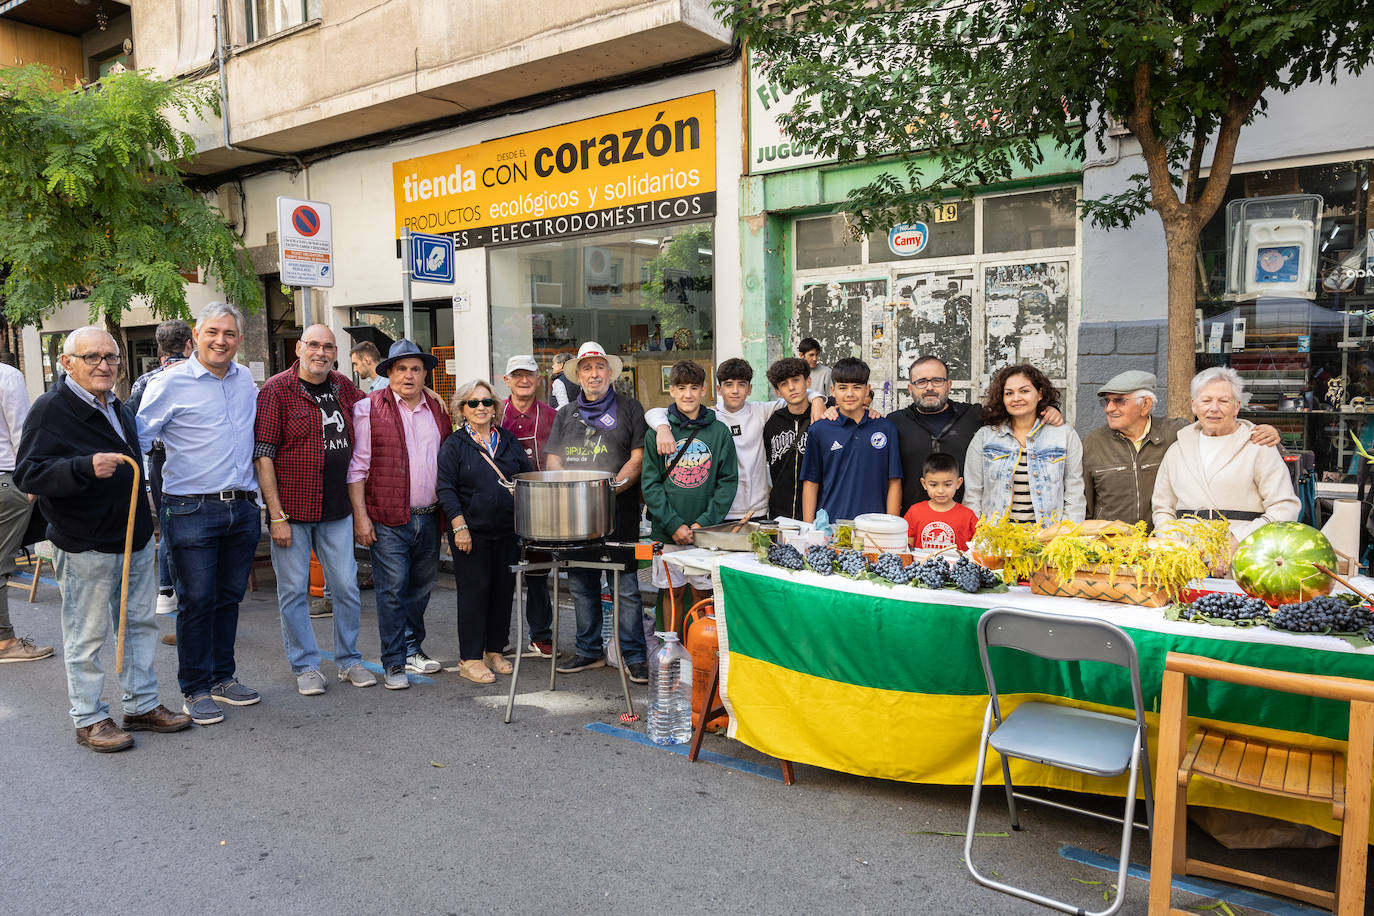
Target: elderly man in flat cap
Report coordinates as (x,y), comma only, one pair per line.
(1121,459)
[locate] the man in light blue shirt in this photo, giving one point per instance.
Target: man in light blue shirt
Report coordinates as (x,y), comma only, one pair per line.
(203,411)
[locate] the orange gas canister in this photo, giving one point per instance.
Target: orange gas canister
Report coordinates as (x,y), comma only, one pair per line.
(704,649)
(316,577)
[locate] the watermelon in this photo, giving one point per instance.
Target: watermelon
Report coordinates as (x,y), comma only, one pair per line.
(1278,562)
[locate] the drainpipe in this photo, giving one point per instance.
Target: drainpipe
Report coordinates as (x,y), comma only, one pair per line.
(305,293)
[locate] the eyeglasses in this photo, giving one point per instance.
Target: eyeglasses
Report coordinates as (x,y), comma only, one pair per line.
(316,345)
(928,382)
(95,359)
(480,402)
(1117,400)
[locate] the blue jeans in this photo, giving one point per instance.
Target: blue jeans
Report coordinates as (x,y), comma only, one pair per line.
(585,585)
(332,543)
(89,582)
(405,563)
(212,545)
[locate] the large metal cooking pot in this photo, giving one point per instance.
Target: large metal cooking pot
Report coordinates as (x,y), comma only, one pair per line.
(564,507)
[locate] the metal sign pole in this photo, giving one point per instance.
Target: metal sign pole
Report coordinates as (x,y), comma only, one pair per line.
(407,309)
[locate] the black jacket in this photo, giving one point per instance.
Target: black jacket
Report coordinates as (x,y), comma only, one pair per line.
(84,512)
(467,485)
(956,427)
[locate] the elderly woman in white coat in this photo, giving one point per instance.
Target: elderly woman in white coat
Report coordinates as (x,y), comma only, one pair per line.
(1215,471)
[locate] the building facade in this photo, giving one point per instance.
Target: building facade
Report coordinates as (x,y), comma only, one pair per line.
(487,122)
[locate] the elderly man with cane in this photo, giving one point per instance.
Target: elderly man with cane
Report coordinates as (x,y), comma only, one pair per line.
(75,443)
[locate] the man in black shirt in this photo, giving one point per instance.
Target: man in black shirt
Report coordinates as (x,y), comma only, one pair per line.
(784,436)
(303,443)
(601,430)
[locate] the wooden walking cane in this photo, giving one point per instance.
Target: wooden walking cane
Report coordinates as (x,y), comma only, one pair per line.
(128,555)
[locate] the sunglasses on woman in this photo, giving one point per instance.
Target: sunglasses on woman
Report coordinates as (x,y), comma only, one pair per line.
(480,402)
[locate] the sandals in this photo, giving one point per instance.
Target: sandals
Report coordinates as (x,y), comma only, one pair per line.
(476,671)
(497,662)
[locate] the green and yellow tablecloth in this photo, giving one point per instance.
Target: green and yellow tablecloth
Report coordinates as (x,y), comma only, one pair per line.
(881,681)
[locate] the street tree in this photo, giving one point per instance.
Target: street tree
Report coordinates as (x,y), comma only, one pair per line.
(962,93)
(91,199)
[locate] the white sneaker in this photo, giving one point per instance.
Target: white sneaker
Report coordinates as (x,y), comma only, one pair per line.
(166,604)
(420,663)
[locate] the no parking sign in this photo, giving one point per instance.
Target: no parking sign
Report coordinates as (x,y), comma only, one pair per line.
(305,242)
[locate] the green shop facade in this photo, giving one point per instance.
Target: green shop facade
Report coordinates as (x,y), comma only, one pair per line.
(982,283)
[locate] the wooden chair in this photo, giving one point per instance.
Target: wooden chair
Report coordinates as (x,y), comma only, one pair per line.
(1341,780)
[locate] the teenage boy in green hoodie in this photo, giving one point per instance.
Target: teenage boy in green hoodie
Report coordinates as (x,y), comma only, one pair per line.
(694,486)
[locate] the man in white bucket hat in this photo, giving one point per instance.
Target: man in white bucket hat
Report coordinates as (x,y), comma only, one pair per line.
(604,431)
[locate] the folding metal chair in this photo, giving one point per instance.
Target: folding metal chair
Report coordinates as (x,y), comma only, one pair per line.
(1098,744)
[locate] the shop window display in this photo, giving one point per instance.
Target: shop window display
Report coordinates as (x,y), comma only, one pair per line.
(647,295)
(1308,363)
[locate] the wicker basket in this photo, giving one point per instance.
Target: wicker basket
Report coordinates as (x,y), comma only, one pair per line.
(1098,585)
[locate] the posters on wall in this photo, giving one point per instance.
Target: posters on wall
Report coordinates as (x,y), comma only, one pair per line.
(1026,309)
(1019,313)
(934,316)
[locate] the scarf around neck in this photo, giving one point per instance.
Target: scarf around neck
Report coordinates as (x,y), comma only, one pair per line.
(704,418)
(598,414)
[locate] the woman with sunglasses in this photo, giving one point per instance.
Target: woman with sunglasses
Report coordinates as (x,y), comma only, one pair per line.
(481,515)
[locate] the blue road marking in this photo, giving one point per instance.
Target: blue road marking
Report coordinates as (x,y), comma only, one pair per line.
(27,578)
(378,669)
(1276,906)
(732,763)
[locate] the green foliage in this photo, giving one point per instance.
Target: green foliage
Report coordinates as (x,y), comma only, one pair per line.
(90,197)
(683,257)
(973,87)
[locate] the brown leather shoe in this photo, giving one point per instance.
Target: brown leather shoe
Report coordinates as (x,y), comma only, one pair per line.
(157,719)
(104,737)
(169,639)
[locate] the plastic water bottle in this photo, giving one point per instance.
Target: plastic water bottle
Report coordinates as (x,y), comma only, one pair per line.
(608,630)
(670,700)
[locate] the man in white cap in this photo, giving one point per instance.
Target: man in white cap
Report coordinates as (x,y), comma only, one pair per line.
(604,431)
(531,421)
(1121,460)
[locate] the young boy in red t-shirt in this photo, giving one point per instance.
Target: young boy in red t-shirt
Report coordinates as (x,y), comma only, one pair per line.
(940,521)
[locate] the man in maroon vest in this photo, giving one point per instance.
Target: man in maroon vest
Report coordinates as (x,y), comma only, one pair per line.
(391,479)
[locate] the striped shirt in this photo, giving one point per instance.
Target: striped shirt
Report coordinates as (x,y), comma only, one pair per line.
(1022,510)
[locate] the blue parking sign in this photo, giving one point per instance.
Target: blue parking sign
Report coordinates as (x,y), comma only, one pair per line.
(431,258)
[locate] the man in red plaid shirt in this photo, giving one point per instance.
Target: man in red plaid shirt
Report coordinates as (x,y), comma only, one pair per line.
(303,444)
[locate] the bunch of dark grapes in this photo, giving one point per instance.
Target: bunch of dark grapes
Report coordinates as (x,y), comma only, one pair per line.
(1230,606)
(889,566)
(967,574)
(1316,615)
(932,573)
(785,555)
(821,559)
(1322,614)
(851,562)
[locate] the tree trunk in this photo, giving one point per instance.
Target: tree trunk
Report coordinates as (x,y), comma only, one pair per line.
(125,376)
(1182,272)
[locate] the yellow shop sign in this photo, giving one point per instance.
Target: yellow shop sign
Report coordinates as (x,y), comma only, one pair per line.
(639,167)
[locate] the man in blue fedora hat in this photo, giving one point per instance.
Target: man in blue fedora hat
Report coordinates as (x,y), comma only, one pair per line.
(397,432)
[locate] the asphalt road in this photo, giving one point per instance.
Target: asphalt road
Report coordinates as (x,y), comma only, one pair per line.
(375,801)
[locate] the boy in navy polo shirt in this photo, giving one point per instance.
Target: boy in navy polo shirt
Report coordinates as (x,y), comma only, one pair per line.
(851,465)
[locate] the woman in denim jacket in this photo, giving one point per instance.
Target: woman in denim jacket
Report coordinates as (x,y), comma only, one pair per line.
(1015,462)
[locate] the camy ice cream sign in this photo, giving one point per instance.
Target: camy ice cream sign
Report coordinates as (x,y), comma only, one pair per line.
(643,166)
(907,239)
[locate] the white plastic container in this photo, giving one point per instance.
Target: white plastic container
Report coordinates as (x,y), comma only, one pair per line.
(879,531)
